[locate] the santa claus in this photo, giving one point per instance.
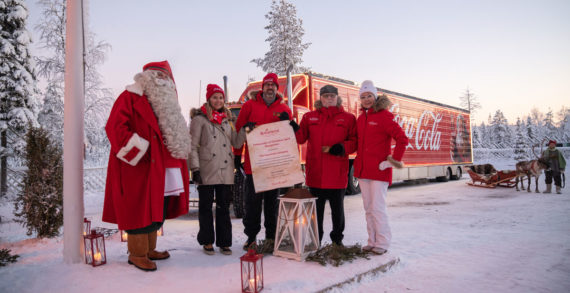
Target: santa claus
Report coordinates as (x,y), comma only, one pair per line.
(147,175)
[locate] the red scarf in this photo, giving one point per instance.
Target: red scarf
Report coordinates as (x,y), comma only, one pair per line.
(217,117)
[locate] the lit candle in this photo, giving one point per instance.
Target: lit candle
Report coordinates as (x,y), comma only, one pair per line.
(159,232)
(97,257)
(252,284)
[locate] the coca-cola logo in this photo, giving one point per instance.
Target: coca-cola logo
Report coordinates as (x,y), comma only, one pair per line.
(421,131)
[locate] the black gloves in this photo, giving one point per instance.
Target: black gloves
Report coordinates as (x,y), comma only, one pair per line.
(237,161)
(284,116)
(294,125)
(337,150)
(249,125)
(196,178)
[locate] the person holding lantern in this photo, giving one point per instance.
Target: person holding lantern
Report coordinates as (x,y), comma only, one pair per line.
(376,129)
(147,174)
(331,135)
(211,162)
(263,107)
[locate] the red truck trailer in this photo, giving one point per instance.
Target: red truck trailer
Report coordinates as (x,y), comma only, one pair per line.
(439,135)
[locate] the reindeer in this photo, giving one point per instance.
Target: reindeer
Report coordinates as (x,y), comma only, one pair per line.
(531,168)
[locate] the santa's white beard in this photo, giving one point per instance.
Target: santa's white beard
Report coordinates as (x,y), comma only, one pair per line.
(163,99)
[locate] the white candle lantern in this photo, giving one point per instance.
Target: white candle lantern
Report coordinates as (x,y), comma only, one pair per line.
(297,231)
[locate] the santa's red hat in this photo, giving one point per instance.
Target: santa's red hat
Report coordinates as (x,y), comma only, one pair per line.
(211,89)
(271,77)
(160,66)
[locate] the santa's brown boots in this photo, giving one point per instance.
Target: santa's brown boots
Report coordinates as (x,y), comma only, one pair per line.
(138,252)
(152,253)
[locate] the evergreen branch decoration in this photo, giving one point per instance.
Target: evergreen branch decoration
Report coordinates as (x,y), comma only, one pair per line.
(6,257)
(336,255)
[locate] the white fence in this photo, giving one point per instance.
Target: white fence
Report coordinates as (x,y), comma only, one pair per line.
(487,155)
(93,179)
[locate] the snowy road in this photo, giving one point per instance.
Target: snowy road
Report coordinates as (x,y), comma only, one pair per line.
(449,237)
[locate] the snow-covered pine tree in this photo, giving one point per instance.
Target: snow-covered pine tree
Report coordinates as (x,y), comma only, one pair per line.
(18,105)
(500,133)
(549,127)
(98,100)
(476,138)
(484,134)
(520,145)
(286,46)
(564,124)
(39,205)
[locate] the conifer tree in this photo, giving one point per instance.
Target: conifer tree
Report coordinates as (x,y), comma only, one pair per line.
(39,205)
(285,39)
(520,146)
(18,106)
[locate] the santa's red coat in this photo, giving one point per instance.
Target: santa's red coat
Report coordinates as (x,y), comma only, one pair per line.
(134,195)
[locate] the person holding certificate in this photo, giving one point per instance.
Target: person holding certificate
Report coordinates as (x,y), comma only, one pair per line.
(331,135)
(376,129)
(263,107)
(211,162)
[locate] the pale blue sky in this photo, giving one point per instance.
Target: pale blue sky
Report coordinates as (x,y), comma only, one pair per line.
(514,55)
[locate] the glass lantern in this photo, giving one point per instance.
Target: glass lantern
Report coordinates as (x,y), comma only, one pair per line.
(86,226)
(297,230)
(251,272)
(95,254)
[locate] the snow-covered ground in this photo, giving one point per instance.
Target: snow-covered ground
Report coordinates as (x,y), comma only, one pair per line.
(448,237)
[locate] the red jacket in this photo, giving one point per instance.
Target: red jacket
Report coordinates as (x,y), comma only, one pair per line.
(255,110)
(134,191)
(376,128)
(326,127)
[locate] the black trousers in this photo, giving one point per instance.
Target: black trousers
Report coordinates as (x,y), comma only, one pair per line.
(223,231)
(253,205)
(336,201)
(154,226)
(556,175)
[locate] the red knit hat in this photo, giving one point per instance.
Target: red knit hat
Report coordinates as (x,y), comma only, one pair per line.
(161,66)
(551,141)
(211,89)
(271,77)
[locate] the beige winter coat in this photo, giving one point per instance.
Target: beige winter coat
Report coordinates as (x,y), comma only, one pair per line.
(211,151)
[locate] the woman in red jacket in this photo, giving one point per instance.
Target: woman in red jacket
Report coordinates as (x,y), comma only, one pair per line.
(373,164)
(331,136)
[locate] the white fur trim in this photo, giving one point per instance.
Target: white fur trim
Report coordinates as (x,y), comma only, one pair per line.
(135,88)
(134,141)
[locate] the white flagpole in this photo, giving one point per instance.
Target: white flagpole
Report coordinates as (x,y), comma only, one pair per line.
(73,134)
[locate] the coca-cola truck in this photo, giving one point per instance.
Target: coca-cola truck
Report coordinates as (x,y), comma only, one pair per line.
(439,135)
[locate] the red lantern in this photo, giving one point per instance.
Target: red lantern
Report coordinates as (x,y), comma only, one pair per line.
(95,254)
(251,272)
(124,235)
(86,226)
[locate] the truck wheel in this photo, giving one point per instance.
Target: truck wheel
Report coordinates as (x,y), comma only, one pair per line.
(353,185)
(238,190)
(458,175)
(445,178)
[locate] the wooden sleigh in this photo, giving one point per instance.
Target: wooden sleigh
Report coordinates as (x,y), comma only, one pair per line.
(505,178)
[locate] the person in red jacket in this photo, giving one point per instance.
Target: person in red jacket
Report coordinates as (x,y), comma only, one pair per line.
(263,107)
(147,175)
(331,136)
(376,129)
